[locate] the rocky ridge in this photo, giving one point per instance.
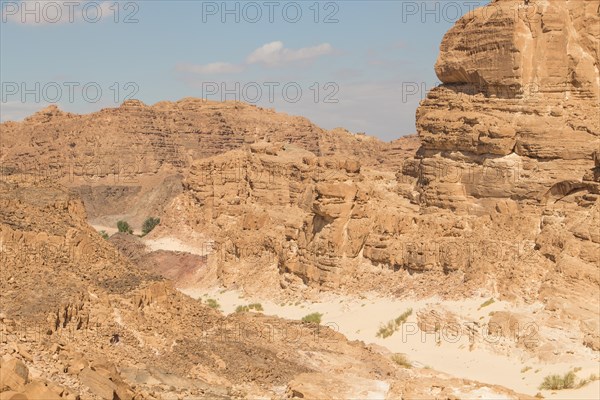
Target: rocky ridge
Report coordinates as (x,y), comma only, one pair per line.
(71,332)
(132,157)
(501,198)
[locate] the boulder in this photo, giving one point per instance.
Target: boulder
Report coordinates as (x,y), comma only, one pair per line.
(14,375)
(98,384)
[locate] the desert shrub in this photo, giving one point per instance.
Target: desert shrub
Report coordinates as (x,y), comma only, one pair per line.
(583,382)
(212,303)
(124,227)
(386,330)
(403,317)
(487,303)
(104,235)
(149,224)
(558,382)
(249,307)
(314,318)
(392,326)
(401,360)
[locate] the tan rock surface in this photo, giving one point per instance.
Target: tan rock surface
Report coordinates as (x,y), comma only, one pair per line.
(502,199)
(131,334)
(14,375)
(503,195)
(126,162)
(522,100)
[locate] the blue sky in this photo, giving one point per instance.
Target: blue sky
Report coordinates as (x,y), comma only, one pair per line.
(361,65)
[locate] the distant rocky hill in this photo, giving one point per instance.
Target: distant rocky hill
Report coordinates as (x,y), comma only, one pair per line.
(127,162)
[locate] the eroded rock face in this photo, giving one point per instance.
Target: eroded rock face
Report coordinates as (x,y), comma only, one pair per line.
(127,162)
(325,223)
(502,196)
(70,332)
(520,91)
(520,98)
(304,214)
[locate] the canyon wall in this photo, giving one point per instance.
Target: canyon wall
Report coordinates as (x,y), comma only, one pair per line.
(127,162)
(520,91)
(502,197)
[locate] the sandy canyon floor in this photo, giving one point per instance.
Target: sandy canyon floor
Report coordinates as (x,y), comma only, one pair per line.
(453,349)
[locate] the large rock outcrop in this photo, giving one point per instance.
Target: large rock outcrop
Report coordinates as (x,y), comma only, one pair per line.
(279,216)
(127,162)
(520,99)
(99,328)
(519,96)
(503,195)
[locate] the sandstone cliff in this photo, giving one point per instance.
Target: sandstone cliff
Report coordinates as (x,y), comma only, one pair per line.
(80,321)
(501,199)
(520,98)
(502,196)
(127,162)
(520,91)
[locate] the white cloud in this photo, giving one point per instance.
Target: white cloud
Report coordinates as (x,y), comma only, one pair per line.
(48,12)
(212,68)
(275,54)
(271,54)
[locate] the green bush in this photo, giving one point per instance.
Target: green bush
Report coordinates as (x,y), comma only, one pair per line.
(314,318)
(403,317)
(149,224)
(386,330)
(104,235)
(212,303)
(401,360)
(557,382)
(487,303)
(123,226)
(392,326)
(583,382)
(253,306)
